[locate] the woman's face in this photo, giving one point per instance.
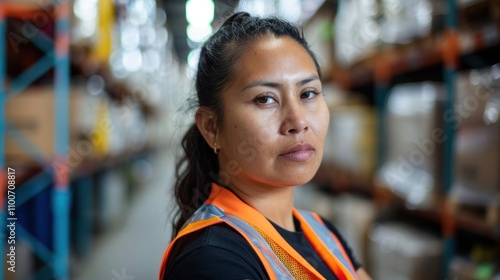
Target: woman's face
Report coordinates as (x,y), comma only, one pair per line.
(275,117)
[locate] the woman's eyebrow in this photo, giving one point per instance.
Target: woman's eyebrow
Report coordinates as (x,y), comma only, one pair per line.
(262,83)
(308,80)
(278,85)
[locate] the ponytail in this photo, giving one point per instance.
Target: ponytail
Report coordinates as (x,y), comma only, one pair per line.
(195,172)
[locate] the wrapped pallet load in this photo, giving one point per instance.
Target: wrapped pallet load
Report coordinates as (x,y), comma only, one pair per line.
(478,144)
(477,147)
(351,138)
(412,167)
(357,31)
(405,21)
(399,251)
(351,141)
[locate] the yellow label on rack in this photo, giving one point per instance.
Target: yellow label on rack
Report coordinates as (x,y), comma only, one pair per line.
(103,130)
(103,47)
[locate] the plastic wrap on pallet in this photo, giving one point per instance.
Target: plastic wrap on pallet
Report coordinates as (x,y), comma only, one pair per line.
(399,251)
(402,21)
(477,149)
(356,30)
(362,25)
(350,142)
(413,158)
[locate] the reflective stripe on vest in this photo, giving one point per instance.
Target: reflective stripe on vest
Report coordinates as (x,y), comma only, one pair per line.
(224,206)
(327,238)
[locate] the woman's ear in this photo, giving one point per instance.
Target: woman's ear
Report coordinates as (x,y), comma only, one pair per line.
(207,124)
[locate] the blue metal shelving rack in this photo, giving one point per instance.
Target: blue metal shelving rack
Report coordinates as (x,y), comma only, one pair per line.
(54,174)
(450,58)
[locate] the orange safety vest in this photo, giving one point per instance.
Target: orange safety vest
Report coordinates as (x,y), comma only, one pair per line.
(280,260)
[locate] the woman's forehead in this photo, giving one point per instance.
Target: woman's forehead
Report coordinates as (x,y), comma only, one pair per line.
(274,57)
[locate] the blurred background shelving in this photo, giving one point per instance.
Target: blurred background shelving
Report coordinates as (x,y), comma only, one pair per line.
(83,117)
(400,97)
(93,106)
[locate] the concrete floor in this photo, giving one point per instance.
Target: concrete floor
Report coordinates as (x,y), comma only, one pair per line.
(134,249)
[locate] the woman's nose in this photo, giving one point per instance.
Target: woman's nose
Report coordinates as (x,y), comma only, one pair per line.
(295,120)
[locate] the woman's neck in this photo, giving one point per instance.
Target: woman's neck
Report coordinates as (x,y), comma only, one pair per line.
(274,203)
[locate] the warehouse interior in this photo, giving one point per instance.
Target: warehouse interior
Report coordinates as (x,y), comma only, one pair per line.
(95,98)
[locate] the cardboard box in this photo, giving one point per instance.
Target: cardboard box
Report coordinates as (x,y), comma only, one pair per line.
(32,114)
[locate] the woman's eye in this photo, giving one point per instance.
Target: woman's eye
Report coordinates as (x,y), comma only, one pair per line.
(309,94)
(264,100)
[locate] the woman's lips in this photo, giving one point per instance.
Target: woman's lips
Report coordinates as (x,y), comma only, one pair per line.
(302,155)
(299,152)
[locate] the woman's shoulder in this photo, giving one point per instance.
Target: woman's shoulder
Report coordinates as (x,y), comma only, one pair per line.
(219,236)
(217,252)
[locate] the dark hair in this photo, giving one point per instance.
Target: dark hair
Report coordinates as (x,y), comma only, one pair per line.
(199,167)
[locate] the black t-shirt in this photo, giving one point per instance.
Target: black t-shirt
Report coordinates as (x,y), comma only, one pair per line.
(219,252)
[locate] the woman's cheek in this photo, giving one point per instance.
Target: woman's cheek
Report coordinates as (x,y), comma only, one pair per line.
(252,146)
(324,119)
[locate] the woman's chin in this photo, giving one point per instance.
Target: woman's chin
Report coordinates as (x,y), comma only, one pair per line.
(298,175)
(295,179)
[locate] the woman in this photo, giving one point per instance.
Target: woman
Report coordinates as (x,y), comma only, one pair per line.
(259,131)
